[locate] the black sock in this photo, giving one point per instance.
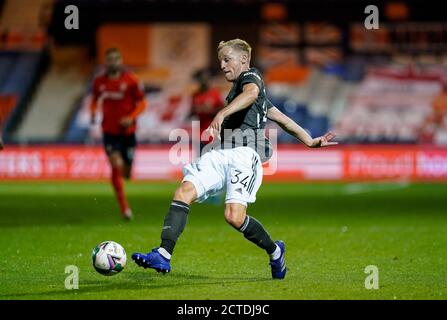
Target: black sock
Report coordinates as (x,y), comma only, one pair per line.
(175,222)
(254,231)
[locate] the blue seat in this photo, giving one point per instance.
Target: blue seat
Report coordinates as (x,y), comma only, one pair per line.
(298,113)
(337,69)
(21,74)
(7,63)
(277,101)
(317,125)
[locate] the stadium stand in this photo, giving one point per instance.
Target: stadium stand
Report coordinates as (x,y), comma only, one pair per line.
(24,14)
(18,78)
(387,104)
(49,112)
(22,56)
(357,98)
(365,98)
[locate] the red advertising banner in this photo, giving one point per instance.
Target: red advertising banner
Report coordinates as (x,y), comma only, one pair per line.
(431,164)
(81,163)
(379,164)
(289,163)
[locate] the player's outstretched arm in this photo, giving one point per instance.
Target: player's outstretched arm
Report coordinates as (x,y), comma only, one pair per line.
(296,131)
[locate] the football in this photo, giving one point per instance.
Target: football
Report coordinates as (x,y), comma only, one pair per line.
(109,258)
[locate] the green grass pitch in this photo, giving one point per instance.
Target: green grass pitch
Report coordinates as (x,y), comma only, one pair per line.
(332,232)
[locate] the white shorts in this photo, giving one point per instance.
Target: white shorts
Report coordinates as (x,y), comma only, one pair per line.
(238,171)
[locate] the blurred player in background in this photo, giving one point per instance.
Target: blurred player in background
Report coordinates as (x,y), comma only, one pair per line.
(118,92)
(236,166)
(206,101)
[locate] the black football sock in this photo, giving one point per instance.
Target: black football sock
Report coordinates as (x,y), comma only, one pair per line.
(254,231)
(174,224)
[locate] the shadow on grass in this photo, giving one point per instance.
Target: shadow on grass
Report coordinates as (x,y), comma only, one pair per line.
(135,281)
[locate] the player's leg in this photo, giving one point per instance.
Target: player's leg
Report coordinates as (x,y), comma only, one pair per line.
(243,182)
(173,226)
(117,164)
(113,150)
(127,170)
(201,180)
(176,217)
(252,229)
(128,146)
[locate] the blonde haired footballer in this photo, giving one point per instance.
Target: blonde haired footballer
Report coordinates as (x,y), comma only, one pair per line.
(232,162)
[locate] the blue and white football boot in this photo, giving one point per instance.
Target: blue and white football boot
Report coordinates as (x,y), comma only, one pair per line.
(279,265)
(152,260)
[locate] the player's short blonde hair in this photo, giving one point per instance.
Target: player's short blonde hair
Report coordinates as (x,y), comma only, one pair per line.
(237,44)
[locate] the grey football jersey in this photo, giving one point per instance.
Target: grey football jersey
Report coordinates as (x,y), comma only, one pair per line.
(247,127)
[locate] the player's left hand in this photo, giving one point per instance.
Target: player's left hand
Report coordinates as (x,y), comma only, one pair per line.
(214,128)
(126,122)
(324,141)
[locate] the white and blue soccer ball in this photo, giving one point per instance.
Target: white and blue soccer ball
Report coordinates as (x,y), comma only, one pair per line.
(109,258)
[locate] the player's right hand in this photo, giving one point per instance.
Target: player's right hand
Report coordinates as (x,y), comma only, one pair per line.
(215,126)
(126,122)
(324,140)
(212,132)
